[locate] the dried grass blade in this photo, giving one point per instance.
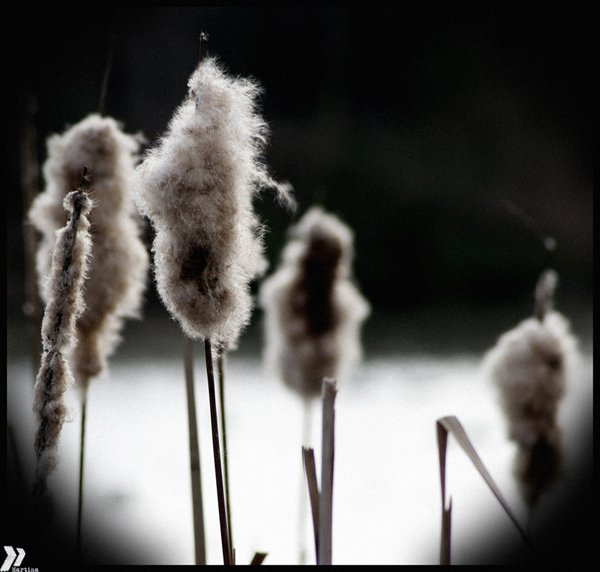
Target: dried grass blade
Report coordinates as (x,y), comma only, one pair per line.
(452,425)
(308,456)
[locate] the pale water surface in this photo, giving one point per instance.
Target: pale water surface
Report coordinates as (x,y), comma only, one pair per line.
(387,499)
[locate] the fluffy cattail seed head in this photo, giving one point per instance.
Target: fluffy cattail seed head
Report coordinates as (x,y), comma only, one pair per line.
(313,312)
(531,366)
(197,188)
(119,264)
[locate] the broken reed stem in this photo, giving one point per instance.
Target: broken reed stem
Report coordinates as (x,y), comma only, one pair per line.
(195,473)
(308,458)
(221,373)
(81,458)
(258,558)
(217,453)
(306,431)
(326,496)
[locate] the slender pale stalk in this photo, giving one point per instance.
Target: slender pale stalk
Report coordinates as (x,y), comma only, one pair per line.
(221,372)
(306,432)
(308,458)
(30,170)
(327,454)
(196,474)
(81,458)
(217,453)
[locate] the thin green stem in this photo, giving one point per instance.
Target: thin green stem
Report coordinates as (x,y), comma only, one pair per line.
(196,475)
(217,453)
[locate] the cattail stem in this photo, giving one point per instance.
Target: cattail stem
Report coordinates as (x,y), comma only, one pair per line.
(107,70)
(197,505)
(326,496)
(308,458)
(221,373)
(81,458)
(30,169)
(306,431)
(217,453)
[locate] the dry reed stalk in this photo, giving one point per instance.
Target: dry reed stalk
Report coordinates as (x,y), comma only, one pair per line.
(451,424)
(65,305)
(225,543)
(195,468)
(30,171)
(531,366)
(322,501)
(221,375)
(308,459)
(327,457)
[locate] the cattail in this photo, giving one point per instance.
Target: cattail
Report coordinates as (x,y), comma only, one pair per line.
(197,188)
(118,269)
(531,365)
(63,291)
(313,312)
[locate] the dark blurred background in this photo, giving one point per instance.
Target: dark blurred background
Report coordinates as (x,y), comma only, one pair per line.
(424,126)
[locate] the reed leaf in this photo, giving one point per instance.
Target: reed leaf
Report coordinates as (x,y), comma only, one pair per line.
(452,425)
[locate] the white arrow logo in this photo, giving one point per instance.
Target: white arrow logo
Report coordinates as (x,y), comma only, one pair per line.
(11,558)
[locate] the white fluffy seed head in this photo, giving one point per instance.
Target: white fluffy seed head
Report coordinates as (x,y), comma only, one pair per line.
(313,311)
(197,188)
(532,366)
(119,264)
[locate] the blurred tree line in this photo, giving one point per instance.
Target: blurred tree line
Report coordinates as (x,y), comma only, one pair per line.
(416,124)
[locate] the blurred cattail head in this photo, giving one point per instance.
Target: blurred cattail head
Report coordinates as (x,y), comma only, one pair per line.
(313,311)
(531,366)
(119,265)
(197,188)
(63,291)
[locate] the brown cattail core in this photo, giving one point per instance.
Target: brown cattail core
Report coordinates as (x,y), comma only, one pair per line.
(315,286)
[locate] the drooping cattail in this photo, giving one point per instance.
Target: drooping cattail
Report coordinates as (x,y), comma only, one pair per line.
(119,264)
(197,188)
(531,366)
(65,304)
(313,311)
